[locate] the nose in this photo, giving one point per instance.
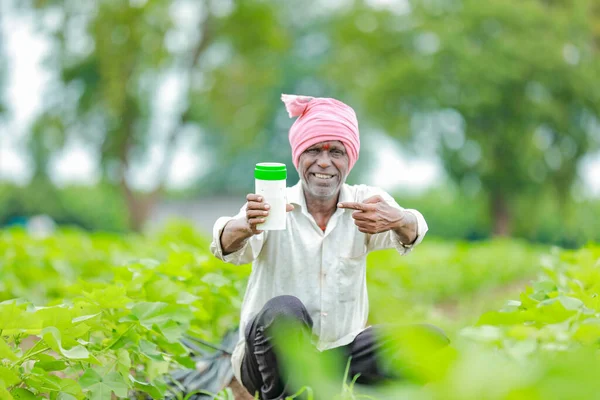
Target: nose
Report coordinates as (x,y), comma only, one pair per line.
(323,160)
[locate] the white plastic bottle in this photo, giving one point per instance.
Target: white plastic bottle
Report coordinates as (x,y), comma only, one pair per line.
(270,184)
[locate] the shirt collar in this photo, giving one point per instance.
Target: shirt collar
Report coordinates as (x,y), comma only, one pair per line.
(295,195)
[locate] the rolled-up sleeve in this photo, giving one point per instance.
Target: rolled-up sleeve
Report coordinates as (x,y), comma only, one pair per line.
(389,239)
(249,250)
(421,231)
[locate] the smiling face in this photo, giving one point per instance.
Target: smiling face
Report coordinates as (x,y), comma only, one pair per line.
(323,169)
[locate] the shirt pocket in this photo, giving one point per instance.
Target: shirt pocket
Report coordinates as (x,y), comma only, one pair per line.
(357,249)
(350,276)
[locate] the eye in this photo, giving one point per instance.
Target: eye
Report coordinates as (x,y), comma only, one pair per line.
(313,151)
(337,153)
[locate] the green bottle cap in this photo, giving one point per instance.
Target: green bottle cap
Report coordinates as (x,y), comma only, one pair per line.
(270,171)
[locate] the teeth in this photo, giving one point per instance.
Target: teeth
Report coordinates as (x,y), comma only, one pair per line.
(323,176)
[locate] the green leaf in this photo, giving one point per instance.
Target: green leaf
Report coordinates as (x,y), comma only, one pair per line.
(163,289)
(85,318)
(499,318)
(110,297)
(47,382)
(23,394)
(172,331)
(186,298)
(59,317)
(571,303)
(186,361)
(553,310)
(588,332)
(49,363)
(69,386)
(484,333)
(52,337)
(76,331)
(155,392)
(150,350)
(6,351)
(216,280)
(89,378)
(123,362)
(101,387)
(539,295)
(544,286)
(521,332)
(4,395)
(116,383)
(160,313)
(9,377)
(511,306)
(65,396)
(522,348)
(14,318)
(146,263)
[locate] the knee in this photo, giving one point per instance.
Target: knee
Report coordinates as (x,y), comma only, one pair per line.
(283,308)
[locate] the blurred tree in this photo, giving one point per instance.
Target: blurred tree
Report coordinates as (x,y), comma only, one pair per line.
(231,69)
(263,49)
(111,57)
(2,62)
(236,94)
(505,91)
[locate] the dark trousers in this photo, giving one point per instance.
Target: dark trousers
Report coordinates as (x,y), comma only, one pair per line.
(261,372)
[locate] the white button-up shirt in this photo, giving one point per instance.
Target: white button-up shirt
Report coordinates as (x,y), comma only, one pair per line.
(325,270)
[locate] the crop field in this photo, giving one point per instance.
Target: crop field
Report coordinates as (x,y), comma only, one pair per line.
(103,316)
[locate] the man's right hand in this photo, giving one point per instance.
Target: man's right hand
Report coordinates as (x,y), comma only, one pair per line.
(257,211)
(238,230)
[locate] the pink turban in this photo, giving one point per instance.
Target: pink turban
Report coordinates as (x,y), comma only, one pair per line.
(321,119)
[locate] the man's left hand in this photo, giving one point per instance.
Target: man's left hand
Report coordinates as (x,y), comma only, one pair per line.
(375,215)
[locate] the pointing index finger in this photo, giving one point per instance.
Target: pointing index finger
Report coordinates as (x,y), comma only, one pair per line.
(352,205)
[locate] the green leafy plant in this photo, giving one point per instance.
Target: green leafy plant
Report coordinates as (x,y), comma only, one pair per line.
(85,316)
(102,316)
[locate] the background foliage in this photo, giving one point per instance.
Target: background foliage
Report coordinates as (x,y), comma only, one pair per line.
(503,93)
(90,316)
(478,83)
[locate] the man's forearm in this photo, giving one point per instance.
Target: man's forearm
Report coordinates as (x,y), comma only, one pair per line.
(234,235)
(407,228)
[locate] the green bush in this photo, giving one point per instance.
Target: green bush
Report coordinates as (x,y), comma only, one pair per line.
(108,305)
(100,315)
(541,218)
(541,346)
(451,214)
(84,315)
(98,207)
(406,287)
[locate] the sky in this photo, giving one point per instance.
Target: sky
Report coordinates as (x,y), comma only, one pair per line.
(27,81)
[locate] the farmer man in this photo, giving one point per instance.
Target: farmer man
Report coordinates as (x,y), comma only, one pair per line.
(314,271)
